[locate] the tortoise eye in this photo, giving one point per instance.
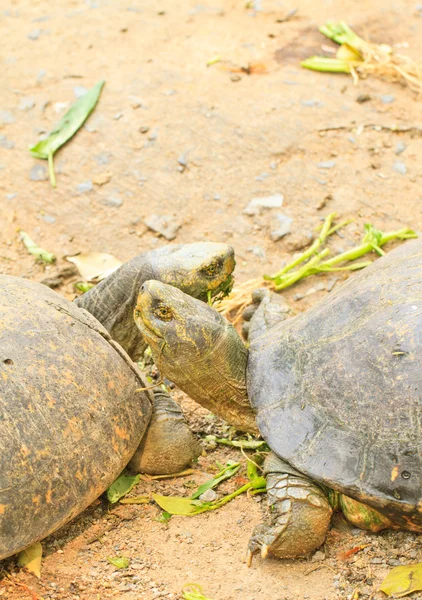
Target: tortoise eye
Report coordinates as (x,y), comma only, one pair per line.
(211,269)
(164,313)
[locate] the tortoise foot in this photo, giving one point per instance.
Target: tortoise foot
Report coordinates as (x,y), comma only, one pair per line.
(168,446)
(298,517)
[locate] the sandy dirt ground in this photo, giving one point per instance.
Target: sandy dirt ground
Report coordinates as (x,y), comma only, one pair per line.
(174,137)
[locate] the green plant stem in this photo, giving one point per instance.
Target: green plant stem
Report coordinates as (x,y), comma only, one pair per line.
(257,484)
(354,253)
(51,169)
(326,65)
(284,282)
(325,232)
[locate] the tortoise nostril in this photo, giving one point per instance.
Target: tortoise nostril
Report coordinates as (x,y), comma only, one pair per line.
(142,288)
(8,361)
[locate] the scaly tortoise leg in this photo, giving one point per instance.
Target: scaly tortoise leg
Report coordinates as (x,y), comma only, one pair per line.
(298,517)
(168,445)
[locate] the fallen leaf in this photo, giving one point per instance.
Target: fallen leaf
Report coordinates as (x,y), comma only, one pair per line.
(67,127)
(135,500)
(193,591)
(121,486)
(348,553)
(402,581)
(121,562)
(228,471)
(176,505)
(31,559)
(95,265)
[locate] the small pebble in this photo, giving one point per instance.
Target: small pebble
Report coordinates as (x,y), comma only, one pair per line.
(112,201)
(11,196)
(164,225)
(400,168)
(318,556)
(41,74)
(209,496)
(86,186)
(255,206)
(144,129)
(387,99)
(326,164)
(49,219)
(118,116)
(400,147)
(6,117)
(351,139)
(38,173)
(281,226)
(262,176)
(312,103)
(5,143)
(79,91)
(26,103)
(257,251)
(363,98)
(235,77)
(34,34)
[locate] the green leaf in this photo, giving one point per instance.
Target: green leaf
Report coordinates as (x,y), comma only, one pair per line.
(228,471)
(164,517)
(67,127)
(121,487)
(121,562)
(83,286)
(402,581)
(193,591)
(135,500)
(35,250)
(176,505)
(31,559)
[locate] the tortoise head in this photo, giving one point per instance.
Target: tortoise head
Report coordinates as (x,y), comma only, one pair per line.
(200,269)
(198,349)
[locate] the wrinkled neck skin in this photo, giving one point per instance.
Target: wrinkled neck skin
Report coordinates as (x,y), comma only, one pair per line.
(113,300)
(215,379)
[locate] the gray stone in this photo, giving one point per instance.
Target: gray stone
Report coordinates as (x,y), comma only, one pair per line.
(208,496)
(112,201)
(165,225)
(38,173)
(49,219)
(387,99)
(400,147)
(256,205)
(318,556)
(41,75)
(11,196)
(400,168)
(326,164)
(5,143)
(102,158)
(79,91)
(85,186)
(312,103)
(26,103)
(262,177)
(6,117)
(280,226)
(257,251)
(34,34)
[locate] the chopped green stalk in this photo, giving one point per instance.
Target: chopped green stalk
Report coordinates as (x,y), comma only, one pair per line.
(35,250)
(325,232)
(326,65)
(245,444)
(323,269)
(282,283)
(341,33)
(354,253)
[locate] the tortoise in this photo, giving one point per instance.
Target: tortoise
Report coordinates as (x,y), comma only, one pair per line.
(336,393)
(73,405)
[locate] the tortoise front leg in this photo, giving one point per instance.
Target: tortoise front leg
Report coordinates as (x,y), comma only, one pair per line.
(298,514)
(168,445)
